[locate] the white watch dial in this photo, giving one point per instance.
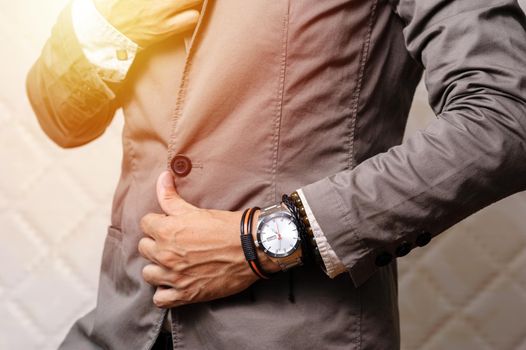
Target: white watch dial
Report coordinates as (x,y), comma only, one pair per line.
(278,235)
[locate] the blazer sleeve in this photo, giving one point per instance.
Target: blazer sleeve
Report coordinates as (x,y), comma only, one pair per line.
(471,155)
(72,103)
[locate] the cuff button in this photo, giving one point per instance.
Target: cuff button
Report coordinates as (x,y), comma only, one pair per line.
(423,239)
(122,55)
(403,249)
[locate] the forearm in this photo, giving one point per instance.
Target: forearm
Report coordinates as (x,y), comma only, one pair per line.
(471,156)
(72,103)
(415,189)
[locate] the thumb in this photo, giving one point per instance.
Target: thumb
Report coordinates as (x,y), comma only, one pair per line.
(169,200)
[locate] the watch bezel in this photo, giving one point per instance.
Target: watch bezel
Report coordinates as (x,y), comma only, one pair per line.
(268,218)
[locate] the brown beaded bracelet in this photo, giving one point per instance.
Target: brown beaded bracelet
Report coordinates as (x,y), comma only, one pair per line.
(308,229)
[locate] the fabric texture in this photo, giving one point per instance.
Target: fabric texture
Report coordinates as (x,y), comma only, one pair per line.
(328,123)
(465,160)
(100,41)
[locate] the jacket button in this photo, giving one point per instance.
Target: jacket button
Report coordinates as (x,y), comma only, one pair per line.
(403,249)
(383,259)
(181,165)
(423,239)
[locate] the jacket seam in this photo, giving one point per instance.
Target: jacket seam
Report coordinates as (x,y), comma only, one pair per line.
(177,337)
(178,109)
(181,93)
(279,100)
(354,116)
(357,92)
(156,330)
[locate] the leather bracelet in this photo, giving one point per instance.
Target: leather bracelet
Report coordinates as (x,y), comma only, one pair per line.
(307,229)
(247,243)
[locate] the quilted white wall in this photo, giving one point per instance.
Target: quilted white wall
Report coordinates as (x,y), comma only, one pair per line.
(466,290)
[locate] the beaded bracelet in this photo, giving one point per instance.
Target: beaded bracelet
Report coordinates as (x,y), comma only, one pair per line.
(306,228)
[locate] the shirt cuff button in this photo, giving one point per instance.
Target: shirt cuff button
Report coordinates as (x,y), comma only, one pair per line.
(122,55)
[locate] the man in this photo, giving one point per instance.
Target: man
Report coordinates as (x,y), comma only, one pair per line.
(271,97)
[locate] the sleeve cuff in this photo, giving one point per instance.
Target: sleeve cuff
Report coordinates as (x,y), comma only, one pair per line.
(110,51)
(327,207)
(333,264)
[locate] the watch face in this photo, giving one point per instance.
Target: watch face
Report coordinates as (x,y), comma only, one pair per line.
(278,235)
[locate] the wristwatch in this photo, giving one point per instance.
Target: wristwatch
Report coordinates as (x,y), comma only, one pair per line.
(278,236)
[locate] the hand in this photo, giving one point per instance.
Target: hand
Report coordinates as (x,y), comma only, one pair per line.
(195,253)
(146,22)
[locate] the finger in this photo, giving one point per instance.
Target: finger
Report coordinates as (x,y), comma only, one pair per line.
(153,224)
(167,297)
(169,200)
(181,5)
(182,22)
(148,249)
(158,276)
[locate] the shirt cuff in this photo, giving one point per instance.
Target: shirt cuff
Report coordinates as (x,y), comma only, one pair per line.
(110,51)
(333,264)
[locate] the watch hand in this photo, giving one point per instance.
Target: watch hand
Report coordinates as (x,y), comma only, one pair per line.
(277,228)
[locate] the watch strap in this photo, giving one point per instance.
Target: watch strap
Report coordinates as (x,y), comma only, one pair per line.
(247,243)
(271,209)
(290,261)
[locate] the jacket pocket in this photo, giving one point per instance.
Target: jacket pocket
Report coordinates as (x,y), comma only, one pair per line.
(114,233)
(112,257)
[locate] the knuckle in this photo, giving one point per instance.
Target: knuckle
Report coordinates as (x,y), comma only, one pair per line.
(157,301)
(141,247)
(182,296)
(167,258)
(180,267)
(189,295)
(145,222)
(178,280)
(146,273)
(164,231)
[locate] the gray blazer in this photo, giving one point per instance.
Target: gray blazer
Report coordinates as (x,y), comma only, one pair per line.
(279,95)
